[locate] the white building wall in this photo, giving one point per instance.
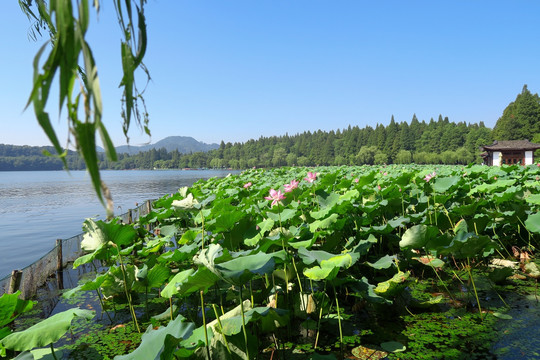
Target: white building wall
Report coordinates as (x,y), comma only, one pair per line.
(528,157)
(497,158)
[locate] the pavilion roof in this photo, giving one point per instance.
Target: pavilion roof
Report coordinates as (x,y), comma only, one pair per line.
(511,145)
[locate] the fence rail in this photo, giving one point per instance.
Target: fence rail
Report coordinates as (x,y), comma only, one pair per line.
(48,270)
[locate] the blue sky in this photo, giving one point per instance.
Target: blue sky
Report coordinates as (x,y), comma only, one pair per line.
(237,70)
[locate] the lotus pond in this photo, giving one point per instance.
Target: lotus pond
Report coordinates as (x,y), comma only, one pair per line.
(399,262)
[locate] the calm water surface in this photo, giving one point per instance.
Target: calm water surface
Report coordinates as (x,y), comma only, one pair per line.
(38,207)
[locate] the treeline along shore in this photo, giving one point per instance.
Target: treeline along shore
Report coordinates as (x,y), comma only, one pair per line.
(434,142)
(424,143)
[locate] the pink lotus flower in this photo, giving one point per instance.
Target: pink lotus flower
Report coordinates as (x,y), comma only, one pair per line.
(247,185)
(379,187)
(356,180)
(311,177)
(430,176)
(291,186)
(275,196)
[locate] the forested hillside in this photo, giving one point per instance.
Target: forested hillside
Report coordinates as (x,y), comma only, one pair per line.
(433,142)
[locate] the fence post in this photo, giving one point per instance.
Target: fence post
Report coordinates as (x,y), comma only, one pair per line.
(15,281)
(148,210)
(59,264)
(59,258)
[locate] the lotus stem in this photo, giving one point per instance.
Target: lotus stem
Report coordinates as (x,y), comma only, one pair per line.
(318,328)
(243,321)
(103,306)
(170,307)
(339,316)
(202,233)
(221,329)
(128,295)
(204,324)
(442,282)
(52,352)
(474,288)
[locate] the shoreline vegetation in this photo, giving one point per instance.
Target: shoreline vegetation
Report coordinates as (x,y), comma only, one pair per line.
(397,261)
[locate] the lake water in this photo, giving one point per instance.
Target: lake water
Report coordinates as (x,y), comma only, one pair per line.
(38,207)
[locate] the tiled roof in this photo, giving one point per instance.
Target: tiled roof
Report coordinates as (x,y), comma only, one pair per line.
(511,145)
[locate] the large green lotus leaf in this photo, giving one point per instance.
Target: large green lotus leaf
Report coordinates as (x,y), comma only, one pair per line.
(349,196)
(533,223)
(40,354)
(168,230)
(367,291)
(211,255)
(197,338)
(416,236)
(268,317)
(157,276)
(383,263)
(240,270)
(533,199)
(392,286)
(11,307)
(323,223)
(202,279)
(226,221)
(152,341)
(400,221)
(285,215)
(340,261)
(45,332)
(93,237)
(366,179)
(325,204)
(87,286)
(103,252)
(310,256)
(183,253)
(252,237)
(508,194)
(363,246)
(318,273)
(443,184)
(490,188)
(171,288)
(100,232)
(188,237)
(461,227)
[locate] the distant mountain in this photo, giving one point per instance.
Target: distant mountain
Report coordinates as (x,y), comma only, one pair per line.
(184,144)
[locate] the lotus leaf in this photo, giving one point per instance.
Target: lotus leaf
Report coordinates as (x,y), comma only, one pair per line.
(443,184)
(45,332)
(384,263)
(39,354)
(392,286)
(152,341)
(240,270)
(533,223)
(11,307)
